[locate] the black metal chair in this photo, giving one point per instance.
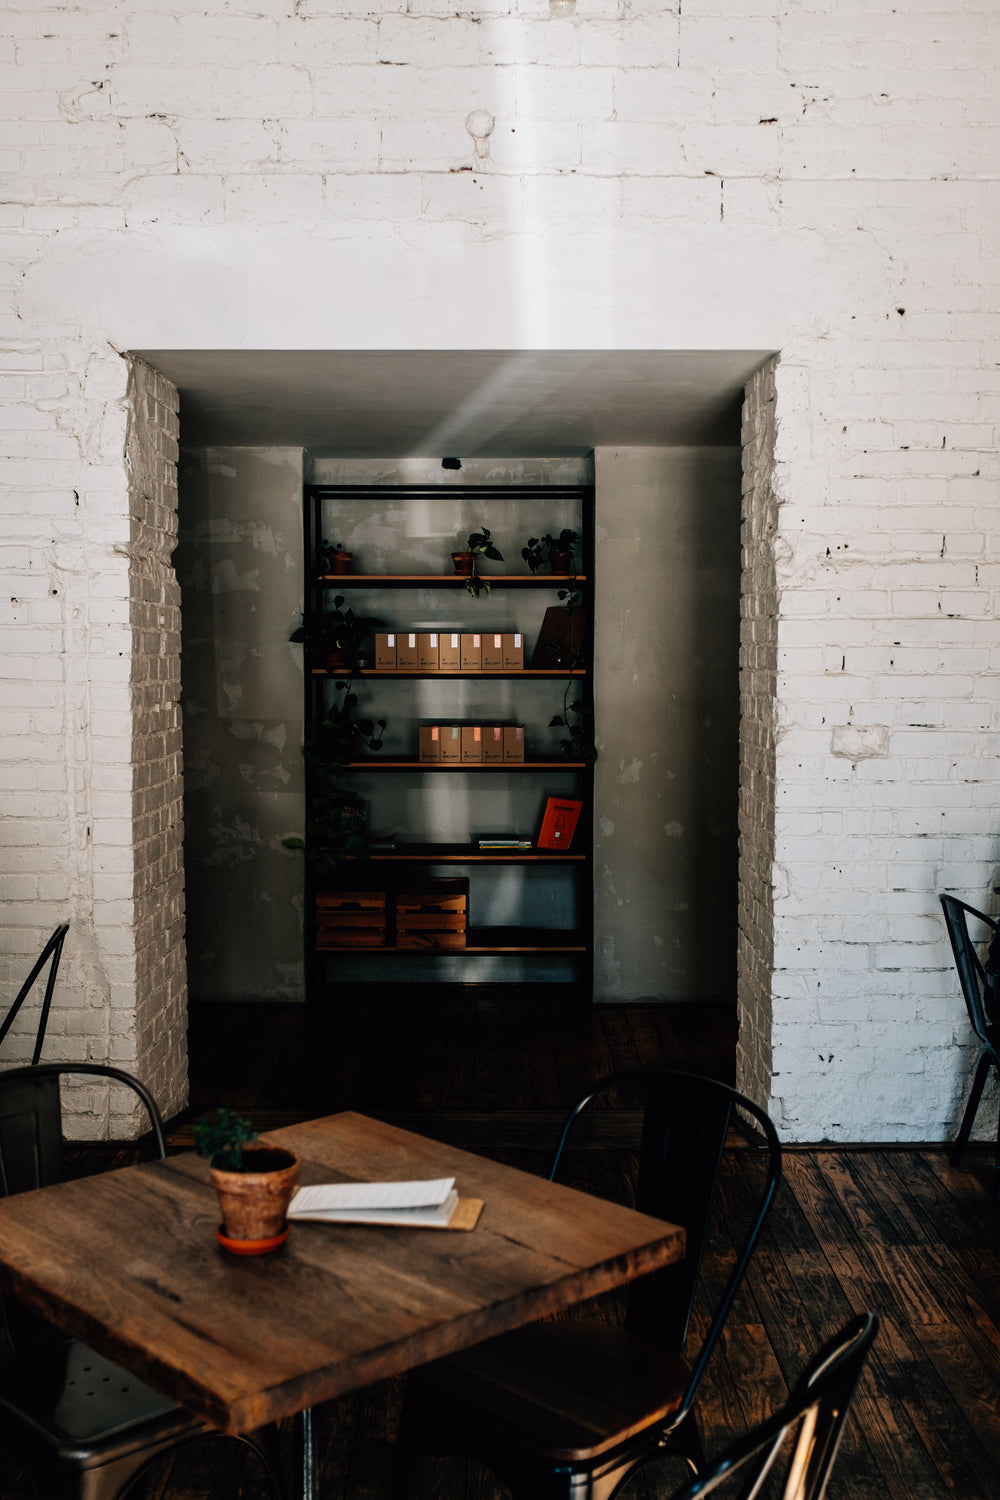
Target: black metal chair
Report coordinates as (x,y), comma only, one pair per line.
(810,1424)
(570,1408)
(50,954)
(85,1427)
(983,1005)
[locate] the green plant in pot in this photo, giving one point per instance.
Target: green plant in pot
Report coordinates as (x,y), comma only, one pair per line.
(338,637)
(577,718)
(480,544)
(253,1179)
(556,551)
(335,815)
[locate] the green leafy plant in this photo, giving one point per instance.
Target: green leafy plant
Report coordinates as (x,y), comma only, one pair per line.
(221,1135)
(539,550)
(481,545)
(337,629)
(335,814)
(577,717)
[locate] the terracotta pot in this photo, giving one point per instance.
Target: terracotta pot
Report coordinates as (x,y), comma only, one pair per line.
(254,1203)
(340,562)
(463,563)
(335,659)
(561,560)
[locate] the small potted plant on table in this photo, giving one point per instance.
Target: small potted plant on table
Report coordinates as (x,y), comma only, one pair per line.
(254,1181)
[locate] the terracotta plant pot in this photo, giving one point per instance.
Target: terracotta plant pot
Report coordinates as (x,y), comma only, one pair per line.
(561,560)
(463,563)
(335,659)
(340,562)
(254,1202)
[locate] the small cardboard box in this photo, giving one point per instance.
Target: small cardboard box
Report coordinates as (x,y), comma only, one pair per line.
(427,651)
(385,651)
(472,652)
(451,744)
(450,651)
(472,744)
(430,744)
(513,742)
(493,652)
(406,651)
(513,652)
(493,744)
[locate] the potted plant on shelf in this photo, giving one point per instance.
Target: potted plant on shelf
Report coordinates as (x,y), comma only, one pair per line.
(338,638)
(336,559)
(557,551)
(567,649)
(480,544)
(254,1182)
(335,816)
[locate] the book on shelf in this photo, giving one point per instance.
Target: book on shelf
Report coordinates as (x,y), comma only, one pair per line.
(559,822)
(501,841)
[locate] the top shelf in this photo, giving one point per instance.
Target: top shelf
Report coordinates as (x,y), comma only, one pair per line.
(415,580)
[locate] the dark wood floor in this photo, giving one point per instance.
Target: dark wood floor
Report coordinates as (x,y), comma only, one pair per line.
(899,1231)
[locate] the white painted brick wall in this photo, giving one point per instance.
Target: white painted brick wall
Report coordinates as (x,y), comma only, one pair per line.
(817,179)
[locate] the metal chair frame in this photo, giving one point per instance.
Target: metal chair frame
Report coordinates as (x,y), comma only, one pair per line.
(79,1443)
(52,950)
(814,1414)
(686,1120)
(972,977)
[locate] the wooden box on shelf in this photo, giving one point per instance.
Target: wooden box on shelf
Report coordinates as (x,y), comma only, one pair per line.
(351,919)
(432,914)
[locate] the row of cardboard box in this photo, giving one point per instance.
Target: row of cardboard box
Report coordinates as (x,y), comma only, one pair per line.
(449,651)
(471,744)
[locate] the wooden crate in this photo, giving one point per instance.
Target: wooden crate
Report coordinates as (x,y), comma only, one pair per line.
(432,914)
(351,919)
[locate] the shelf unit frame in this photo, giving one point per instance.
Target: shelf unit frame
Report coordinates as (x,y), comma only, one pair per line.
(576,943)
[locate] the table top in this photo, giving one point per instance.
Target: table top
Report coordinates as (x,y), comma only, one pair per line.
(128,1261)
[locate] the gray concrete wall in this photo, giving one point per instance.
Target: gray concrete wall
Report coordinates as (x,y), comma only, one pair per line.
(239,561)
(667,714)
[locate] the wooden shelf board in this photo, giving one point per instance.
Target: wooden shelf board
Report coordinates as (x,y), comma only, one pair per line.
(412,764)
(360,672)
(486,940)
(408,580)
(468,854)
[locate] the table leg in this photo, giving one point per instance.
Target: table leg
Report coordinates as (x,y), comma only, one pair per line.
(305,1456)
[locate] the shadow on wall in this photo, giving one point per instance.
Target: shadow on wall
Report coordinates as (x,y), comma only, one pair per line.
(239,563)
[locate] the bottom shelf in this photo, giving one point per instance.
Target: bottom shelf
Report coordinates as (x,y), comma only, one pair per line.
(479,941)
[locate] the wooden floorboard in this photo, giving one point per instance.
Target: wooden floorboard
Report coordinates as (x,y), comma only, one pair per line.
(899,1230)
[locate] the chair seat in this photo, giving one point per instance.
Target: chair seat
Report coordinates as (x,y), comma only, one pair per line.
(570,1391)
(72,1399)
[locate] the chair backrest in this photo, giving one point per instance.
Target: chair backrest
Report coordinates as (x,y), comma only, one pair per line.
(970,970)
(31,1156)
(809,1426)
(31,1121)
(50,954)
(685,1126)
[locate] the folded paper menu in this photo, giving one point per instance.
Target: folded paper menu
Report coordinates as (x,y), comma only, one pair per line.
(416,1205)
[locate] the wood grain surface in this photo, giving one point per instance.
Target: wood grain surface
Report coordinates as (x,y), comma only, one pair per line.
(128,1261)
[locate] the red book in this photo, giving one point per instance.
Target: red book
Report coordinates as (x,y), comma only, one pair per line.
(558,823)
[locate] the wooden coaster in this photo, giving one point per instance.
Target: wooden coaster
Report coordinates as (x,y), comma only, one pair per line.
(466,1215)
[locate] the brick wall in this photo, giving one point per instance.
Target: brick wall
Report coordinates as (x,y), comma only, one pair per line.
(816,179)
(758,702)
(152,1026)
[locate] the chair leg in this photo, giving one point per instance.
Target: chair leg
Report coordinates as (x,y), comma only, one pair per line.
(975,1095)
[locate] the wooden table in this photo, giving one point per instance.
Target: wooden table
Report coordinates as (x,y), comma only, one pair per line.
(128,1261)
